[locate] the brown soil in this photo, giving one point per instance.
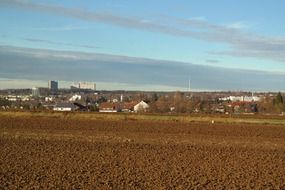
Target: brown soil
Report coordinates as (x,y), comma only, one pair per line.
(70,153)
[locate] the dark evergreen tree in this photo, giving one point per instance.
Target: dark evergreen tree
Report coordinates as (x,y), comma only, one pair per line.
(279,99)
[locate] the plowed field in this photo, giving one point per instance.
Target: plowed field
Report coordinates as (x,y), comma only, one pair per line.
(70,152)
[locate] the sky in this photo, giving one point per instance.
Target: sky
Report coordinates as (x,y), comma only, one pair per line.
(144,44)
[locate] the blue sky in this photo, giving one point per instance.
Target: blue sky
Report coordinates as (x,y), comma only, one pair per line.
(225,36)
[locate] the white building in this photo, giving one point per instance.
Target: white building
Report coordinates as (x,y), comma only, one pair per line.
(241,99)
(75,98)
(35,92)
(25,98)
(87,85)
(141,106)
(49,99)
(13,98)
(64,107)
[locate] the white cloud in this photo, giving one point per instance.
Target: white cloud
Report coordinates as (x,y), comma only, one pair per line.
(212,61)
(61,28)
(80,56)
(7,83)
(238,25)
(36,40)
(128,72)
(242,44)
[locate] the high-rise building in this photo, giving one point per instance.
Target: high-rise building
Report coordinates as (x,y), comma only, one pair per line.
(53,85)
(84,86)
(87,85)
(35,92)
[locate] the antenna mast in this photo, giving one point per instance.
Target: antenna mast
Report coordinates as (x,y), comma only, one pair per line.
(189,87)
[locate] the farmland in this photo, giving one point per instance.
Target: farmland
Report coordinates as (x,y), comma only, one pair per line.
(128,151)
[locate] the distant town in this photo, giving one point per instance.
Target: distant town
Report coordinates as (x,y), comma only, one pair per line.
(83,96)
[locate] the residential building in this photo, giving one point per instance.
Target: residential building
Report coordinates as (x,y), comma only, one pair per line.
(75,98)
(141,107)
(109,107)
(128,106)
(64,107)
